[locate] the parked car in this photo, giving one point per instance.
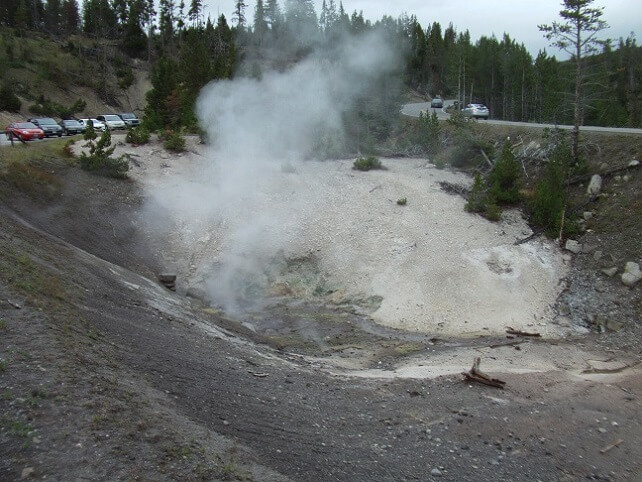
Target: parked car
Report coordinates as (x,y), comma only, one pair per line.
(71,127)
(130,119)
(112,121)
(25,131)
(48,125)
(437,103)
(476,111)
(96,124)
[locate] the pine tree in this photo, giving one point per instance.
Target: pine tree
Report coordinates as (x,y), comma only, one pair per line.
(260,24)
(239,14)
(195,11)
(22,19)
(70,16)
(273,14)
(53,16)
(167,20)
(576,35)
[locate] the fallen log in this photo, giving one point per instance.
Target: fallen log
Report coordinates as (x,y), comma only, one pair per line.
(476,375)
(513,331)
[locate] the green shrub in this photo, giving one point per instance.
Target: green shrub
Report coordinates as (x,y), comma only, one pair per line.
(505,178)
(427,133)
(125,77)
(174,141)
(478,197)
(137,136)
(549,202)
(492,212)
(367,164)
(47,107)
(8,100)
(99,159)
(402,202)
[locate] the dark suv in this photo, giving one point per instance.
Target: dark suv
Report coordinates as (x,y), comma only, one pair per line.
(130,119)
(48,125)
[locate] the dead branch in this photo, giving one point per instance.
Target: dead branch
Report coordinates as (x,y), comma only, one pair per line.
(259,375)
(611,446)
(506,343)
(487,159)
(476,375)
(513,331)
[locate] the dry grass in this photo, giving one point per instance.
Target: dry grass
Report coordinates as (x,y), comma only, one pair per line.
(30,168)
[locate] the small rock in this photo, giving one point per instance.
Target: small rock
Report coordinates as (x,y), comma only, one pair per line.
(629,280)
(595,185)
(587,215)
(610,271)
(602,430)
(632,274)
(631,267)
(634,163)
(597,255)
(435,473)
(573,246)
(604,166)
(27,472)
(614,325)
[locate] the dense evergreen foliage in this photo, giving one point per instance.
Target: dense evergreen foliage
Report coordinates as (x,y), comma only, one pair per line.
(188,50)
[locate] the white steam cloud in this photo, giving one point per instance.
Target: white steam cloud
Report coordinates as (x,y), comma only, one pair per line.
(239,208)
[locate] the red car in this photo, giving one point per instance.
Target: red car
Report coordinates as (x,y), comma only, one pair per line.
(24,131)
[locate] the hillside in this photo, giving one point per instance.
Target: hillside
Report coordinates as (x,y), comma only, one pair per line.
(37,65)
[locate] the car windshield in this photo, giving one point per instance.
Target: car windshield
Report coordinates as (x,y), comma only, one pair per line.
(112,118)
(95,121)
(25,125)
(71,122)
(128,116)
(47,121)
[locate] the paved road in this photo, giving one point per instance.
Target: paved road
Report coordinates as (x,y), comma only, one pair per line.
(413,110)
(4,141)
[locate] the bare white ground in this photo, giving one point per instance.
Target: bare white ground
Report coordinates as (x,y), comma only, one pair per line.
(437,268)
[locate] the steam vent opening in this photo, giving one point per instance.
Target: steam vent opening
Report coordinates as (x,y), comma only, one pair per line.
(319,240)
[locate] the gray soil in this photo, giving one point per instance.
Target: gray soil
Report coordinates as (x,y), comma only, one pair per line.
(107,375)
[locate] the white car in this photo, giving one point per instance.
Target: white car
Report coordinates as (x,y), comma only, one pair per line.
(98,126)
(476,111)
(112,121)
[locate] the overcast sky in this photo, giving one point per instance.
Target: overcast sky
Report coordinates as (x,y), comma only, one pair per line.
(518,18)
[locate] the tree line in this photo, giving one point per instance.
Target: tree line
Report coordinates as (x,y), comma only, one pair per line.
(188,50)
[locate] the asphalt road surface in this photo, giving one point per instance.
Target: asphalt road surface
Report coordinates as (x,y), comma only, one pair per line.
(413,110)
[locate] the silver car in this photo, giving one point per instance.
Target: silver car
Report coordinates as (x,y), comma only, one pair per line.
(96,124)
(476,111)
(112,121)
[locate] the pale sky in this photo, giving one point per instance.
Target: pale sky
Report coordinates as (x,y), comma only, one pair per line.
(519,18)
